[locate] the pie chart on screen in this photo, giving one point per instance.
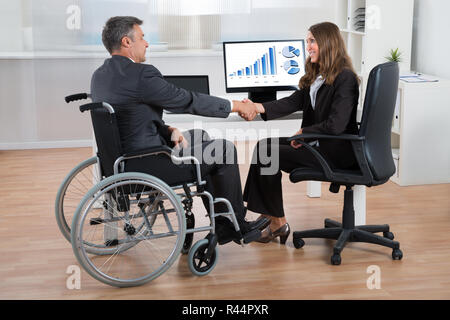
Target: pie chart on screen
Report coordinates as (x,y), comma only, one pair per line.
(291,67)
(290,52)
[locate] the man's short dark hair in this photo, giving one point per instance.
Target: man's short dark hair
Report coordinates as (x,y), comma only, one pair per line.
(115,29)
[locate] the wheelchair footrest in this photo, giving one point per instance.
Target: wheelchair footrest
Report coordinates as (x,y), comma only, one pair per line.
(252,236)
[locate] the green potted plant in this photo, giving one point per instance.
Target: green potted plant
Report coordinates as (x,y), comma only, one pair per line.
(394,55)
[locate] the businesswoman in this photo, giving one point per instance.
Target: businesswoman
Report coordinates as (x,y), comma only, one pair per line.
(328,96)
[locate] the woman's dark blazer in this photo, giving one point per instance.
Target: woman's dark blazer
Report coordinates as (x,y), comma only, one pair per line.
(334,113)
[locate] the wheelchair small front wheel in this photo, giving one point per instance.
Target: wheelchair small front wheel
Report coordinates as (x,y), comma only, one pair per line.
(198,262)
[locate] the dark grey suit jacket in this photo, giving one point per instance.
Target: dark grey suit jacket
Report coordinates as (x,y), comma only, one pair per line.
(139,93)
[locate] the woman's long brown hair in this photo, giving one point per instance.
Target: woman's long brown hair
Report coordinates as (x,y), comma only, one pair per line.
(333,57)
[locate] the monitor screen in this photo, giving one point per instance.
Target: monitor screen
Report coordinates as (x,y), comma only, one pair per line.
(192,83)
(263,65)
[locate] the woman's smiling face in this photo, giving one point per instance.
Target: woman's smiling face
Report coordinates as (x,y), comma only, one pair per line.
(312,47)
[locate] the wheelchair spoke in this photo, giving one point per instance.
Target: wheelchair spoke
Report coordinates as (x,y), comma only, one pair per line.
(113,256)
(199,257)
(72,190)
(165,217)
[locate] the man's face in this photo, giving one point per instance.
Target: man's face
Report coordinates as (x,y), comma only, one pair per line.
(138,45)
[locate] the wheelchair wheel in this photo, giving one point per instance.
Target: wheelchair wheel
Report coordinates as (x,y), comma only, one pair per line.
(73,188)
(197,261)
(134,236)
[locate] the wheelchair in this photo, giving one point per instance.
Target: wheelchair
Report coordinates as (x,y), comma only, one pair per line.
(128,228)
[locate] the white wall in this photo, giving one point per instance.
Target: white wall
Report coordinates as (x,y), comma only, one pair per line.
(431,45)
(11,20)
(32,110)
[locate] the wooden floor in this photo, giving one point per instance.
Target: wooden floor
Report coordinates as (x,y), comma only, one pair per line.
(34,256)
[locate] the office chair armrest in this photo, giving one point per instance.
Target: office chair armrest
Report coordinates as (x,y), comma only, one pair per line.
(357,145)
(348,137)
(326,168)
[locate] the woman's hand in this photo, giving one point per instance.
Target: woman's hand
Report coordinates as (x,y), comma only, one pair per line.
(294,143)
(259,106)
(247,109)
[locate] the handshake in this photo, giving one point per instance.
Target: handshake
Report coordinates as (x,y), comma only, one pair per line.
(247,109)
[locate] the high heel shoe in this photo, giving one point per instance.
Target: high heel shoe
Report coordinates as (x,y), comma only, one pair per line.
(283,232)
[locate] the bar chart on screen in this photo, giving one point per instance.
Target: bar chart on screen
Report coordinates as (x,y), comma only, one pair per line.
(265,63)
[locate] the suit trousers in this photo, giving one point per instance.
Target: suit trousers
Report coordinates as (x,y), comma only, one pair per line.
(263,189)
(218,166)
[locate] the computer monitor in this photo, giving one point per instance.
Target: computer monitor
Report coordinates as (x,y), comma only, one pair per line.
(197,83)
(262,68)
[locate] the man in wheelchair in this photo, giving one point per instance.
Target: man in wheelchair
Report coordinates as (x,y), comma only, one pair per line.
(139,95)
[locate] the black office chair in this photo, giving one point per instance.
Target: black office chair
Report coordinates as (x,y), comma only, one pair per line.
(372,148)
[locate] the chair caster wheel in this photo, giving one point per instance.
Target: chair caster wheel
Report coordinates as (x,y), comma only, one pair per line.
(397,254)
(298,243)
(336,259)
(388,235)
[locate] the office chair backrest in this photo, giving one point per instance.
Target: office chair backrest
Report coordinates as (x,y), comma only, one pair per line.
(376,122)
(107,137)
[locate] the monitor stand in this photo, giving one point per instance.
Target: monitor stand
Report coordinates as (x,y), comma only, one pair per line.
(263,96)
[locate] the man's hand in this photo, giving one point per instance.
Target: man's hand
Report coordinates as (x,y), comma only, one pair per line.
(294,143)
(178,138)
(247,109)
(259,106)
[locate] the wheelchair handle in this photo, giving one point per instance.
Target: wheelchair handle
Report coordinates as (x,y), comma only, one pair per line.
(77,96)
(96,105)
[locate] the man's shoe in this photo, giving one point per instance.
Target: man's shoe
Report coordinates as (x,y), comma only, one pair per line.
(249,231)
(251,236)
(260,223)
(225,231)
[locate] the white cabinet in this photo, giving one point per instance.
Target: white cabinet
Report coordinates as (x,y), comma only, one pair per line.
(371,28)
(421,127)
(420,133)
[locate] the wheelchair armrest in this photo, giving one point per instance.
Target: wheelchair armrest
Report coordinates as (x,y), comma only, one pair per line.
(96,105)
(140,154)
(77,96)
(147,152)
(158,150)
